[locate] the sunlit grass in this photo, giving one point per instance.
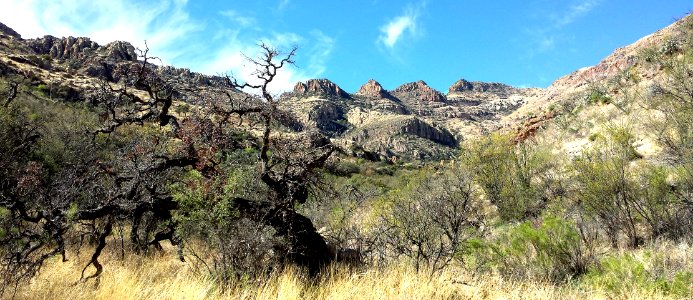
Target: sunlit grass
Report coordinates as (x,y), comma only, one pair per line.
(164,277)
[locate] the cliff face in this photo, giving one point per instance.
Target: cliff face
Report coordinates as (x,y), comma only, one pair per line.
(418,91)
(373,89)
(463,86)
(321,87)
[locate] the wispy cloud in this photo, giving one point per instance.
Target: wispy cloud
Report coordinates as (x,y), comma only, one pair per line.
(547,37)
(241,20)
(406,24)
(283,4)
(574,12)
(172,33)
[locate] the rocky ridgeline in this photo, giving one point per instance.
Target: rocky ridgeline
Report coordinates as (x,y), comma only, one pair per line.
(9,31)
(82,56)
(321,87)
(464,86)
(373,89)
(413,120)
(418,91)
(63,48)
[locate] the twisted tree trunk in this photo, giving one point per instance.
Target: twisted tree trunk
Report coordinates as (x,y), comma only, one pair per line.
(307,247)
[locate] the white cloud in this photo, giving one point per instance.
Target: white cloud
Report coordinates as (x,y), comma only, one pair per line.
(407,23)
(393,30)
(241,20)
(209,46)
(283,4)
(574,12)
(547,37)
(161,23)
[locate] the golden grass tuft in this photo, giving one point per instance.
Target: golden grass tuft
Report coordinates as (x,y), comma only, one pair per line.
(164,277)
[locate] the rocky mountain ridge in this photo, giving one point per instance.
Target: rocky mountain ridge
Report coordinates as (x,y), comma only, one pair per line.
(412,121)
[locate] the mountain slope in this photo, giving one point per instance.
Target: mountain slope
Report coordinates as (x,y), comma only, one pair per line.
(412,121)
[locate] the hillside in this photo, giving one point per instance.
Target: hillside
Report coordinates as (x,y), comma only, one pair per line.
(412,121)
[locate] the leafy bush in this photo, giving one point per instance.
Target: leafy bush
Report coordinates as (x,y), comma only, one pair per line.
(605,189)
(622,273)
(231,247)
(627,195)
(518,179)
(555,250)
(597,96)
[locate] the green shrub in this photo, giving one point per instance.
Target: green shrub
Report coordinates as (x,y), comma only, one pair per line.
(623,273)
(606,191)
(597,96)
(554,250)
(516,178)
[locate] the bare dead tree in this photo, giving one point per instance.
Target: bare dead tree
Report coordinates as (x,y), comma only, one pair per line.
(287,165)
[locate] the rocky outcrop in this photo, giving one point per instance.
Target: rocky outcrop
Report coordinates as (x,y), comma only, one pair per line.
(417,127)
(322,87)
(9,31)
(82,48)
(389,136)
(531,126)
(373,89)
(120,50)
(418,90)
(63,48)
(326,116)
(463,85)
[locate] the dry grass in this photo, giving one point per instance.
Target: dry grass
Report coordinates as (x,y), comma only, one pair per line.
(164,277)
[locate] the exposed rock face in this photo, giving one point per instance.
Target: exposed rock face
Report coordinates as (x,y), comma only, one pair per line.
(63,48)
(9,31)
(322,87)
(387,136)
(463,85)
(326,116)
(373,89)
(424,130)
(419,90)
(120,50)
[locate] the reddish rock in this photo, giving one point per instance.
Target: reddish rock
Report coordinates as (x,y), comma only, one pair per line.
(320,87)
(373,89)
(419,90)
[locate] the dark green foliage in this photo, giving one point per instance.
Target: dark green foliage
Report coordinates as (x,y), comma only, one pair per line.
(619,273)
(519,179)
(553,250)
(597,96)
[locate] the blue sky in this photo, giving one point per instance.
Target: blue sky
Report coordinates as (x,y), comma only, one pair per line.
(522,43)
